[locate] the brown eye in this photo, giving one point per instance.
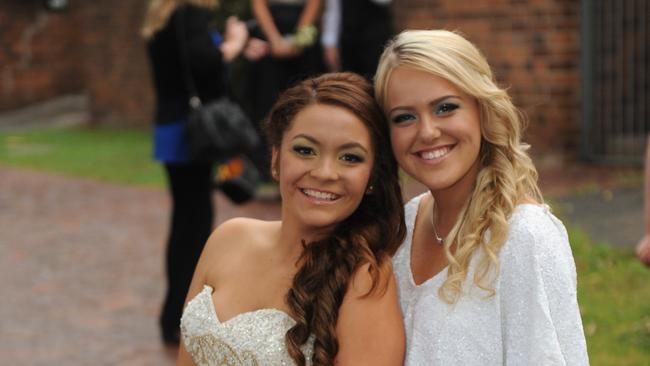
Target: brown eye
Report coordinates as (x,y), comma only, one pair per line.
(303,150)
(446,108)
(352,158)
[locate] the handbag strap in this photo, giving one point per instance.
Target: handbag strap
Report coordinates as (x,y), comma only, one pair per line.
(181,36)
(194,99)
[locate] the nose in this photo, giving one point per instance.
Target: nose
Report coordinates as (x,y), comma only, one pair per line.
(325,169)
(429,129)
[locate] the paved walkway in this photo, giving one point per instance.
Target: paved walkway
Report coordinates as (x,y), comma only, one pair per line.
(81,267)
(605,202)
(81,261)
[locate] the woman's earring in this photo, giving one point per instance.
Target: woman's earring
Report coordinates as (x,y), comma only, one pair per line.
(370,189)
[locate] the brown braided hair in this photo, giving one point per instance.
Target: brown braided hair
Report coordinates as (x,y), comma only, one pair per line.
(369,236)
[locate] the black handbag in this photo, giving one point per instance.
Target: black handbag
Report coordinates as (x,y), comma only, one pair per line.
(219,129)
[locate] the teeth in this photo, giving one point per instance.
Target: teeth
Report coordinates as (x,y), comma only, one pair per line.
(435,154)
(320,195)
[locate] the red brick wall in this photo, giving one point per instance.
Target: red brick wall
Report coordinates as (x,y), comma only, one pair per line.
(114,61)
(92,47)
(36,47)
(533,47)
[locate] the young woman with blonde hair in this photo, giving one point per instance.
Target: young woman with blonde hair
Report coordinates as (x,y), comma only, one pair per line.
(486,275)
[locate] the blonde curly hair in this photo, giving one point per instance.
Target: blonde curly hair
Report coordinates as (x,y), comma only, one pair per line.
(507,175)
(159,11)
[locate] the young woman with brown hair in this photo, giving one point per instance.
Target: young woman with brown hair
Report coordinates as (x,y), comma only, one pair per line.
(315,288)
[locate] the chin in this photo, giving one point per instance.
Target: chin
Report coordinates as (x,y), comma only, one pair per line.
(323,222)
(437,184)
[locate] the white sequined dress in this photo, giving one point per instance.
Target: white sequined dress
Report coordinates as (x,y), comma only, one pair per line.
(532,320)
(254,338)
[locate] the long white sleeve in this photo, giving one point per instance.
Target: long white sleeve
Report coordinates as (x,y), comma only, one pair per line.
(540,318)
(532,319)
(331,23)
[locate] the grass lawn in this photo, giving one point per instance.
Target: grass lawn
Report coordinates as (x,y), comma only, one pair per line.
(614,295)
(121,156)
(613,287)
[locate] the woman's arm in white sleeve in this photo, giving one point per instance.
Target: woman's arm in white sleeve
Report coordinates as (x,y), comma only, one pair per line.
(540,318)
(331,23)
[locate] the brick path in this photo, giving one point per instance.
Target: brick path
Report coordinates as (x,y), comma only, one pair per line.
(81,262)
(81,269)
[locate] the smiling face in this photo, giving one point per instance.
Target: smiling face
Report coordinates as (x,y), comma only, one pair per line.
(435,129)
(324,164)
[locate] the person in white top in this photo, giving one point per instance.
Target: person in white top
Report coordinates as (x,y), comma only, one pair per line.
(486,275)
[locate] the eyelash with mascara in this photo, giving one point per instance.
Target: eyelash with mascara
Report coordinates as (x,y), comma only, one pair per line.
(441,109)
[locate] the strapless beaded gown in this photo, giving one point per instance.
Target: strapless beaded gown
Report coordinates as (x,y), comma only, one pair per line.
(251,338)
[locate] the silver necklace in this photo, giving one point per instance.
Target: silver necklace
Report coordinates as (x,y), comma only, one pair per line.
(439,238)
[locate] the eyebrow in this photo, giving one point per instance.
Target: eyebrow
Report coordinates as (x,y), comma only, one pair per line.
(433,102)
(349,145)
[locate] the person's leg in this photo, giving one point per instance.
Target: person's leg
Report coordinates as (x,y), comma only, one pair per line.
(191,224)
(643,248)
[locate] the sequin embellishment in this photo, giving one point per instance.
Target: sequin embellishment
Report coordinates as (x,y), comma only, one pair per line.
(208,348)
(252,338)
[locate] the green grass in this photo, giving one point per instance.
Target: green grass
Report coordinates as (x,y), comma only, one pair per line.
(613,287)
(120,156)
(614,295)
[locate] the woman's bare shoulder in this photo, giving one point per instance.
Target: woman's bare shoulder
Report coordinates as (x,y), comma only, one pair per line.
(234,246)
(239,235)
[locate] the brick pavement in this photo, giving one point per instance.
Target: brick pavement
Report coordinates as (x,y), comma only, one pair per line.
(81,264)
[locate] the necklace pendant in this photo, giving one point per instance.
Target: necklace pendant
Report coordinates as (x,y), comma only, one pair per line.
(439,239)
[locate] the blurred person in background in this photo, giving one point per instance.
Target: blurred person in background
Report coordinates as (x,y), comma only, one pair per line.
(643,248)
(190,183)
(290,28)
(354,34)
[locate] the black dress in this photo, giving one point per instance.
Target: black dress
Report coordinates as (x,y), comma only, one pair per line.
(365,29)
(271,76)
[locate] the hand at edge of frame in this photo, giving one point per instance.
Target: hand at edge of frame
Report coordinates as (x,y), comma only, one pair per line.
(643,250)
